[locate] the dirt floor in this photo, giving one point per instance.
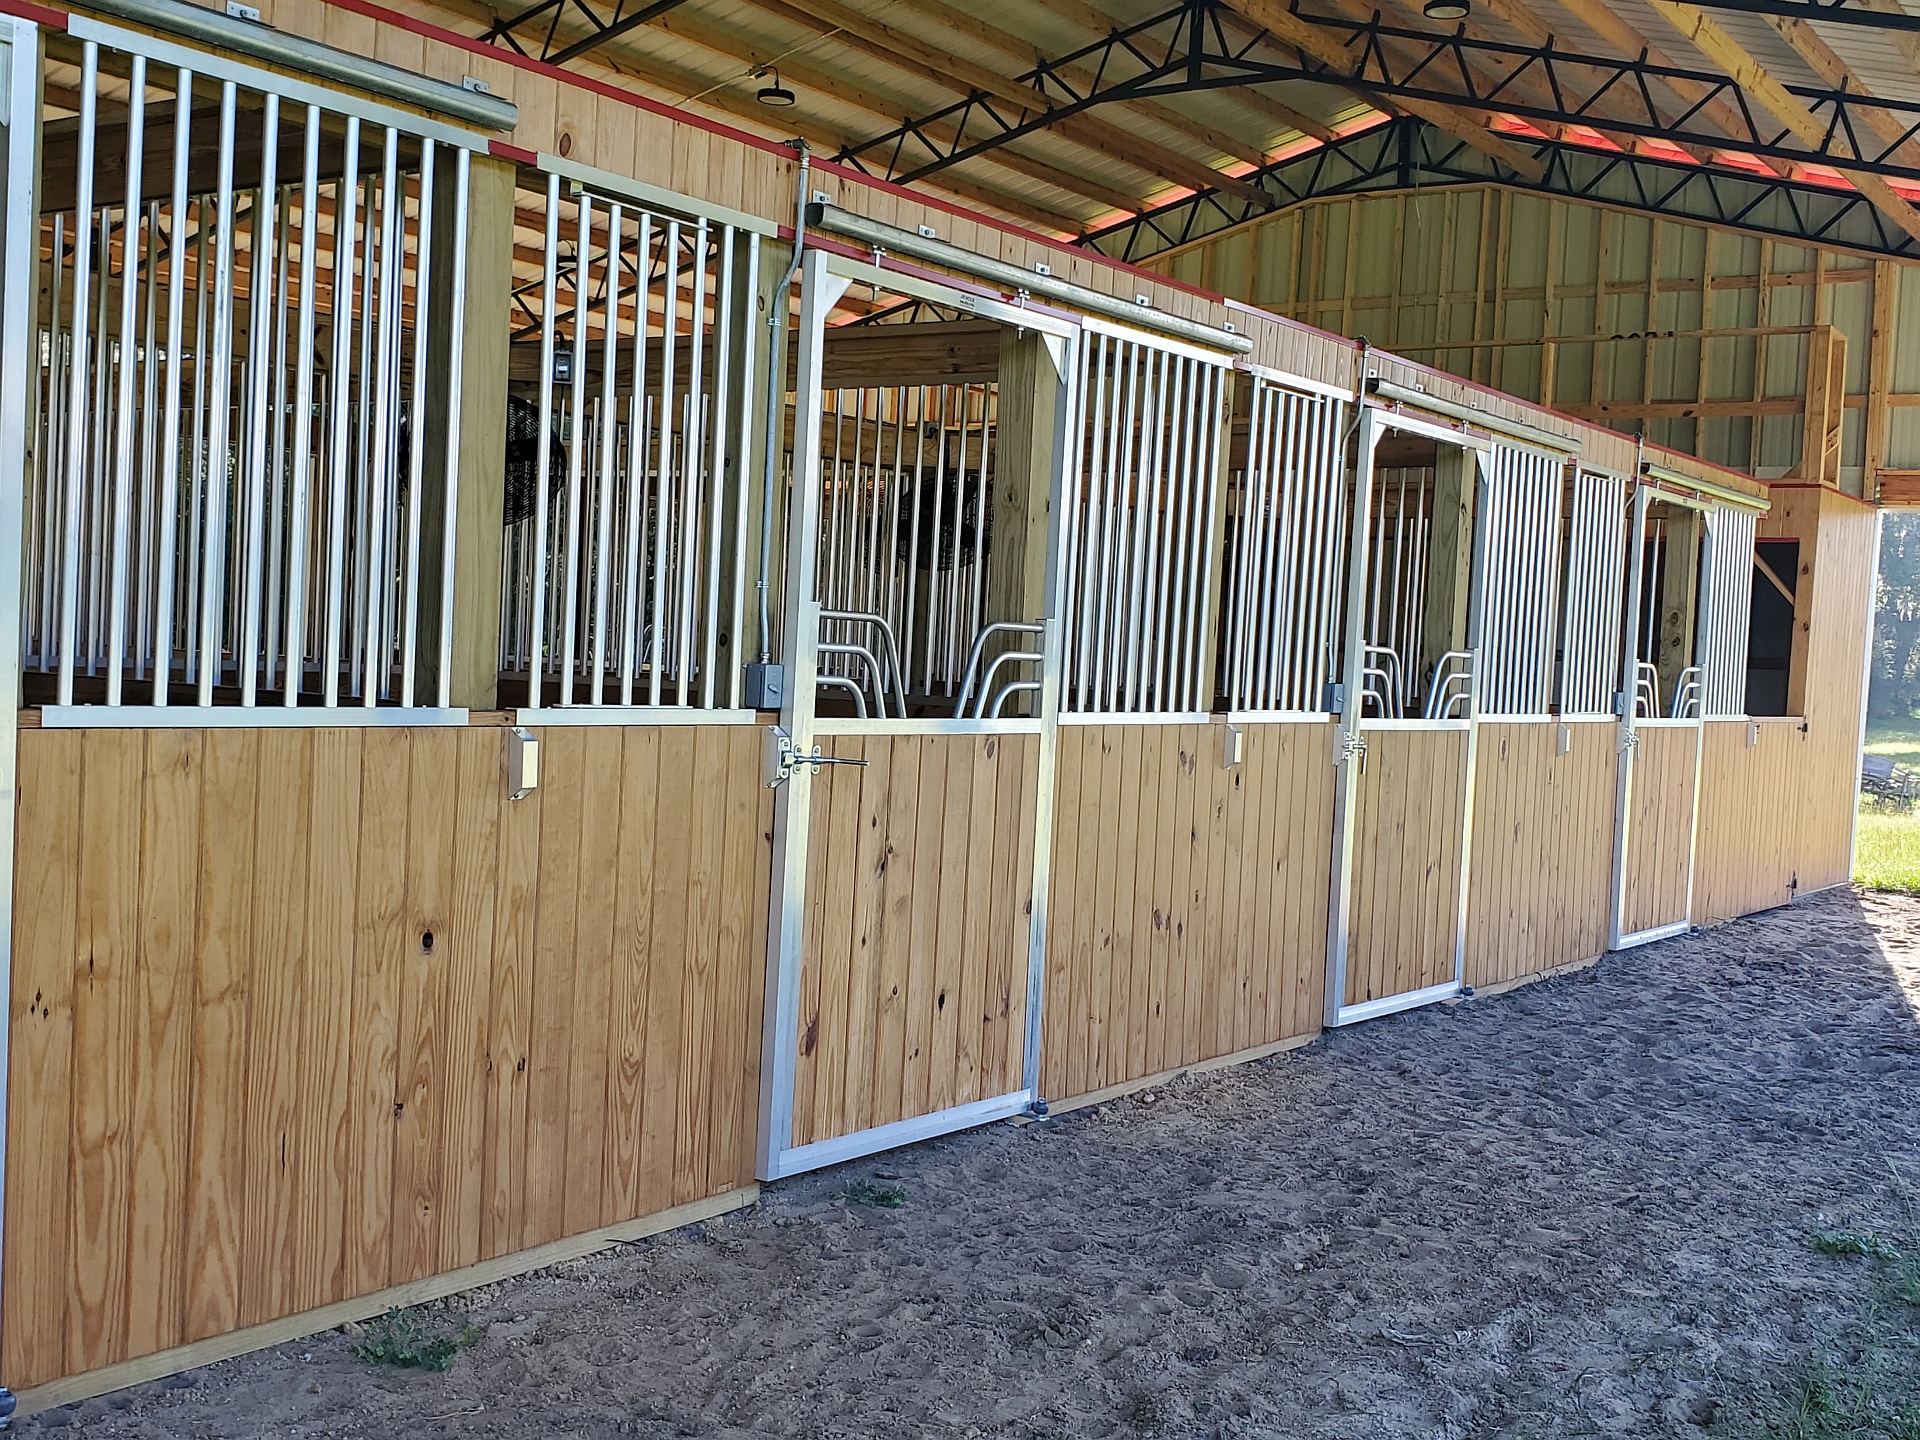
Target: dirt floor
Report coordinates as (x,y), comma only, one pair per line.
(1617,1203)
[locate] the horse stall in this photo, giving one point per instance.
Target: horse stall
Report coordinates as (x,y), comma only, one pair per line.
(569,662)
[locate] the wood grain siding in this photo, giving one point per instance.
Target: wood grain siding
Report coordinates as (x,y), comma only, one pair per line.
(1406,863)
(913,981)
(302,1014)
(1776,818)
(1188,913)
(1659,828)
(1542,881)
(1751,814)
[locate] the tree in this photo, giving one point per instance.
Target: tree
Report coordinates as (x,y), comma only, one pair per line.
(1894,692)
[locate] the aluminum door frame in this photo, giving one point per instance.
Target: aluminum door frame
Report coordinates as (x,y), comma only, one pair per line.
(826,277)
(1371,426)
(1618,938)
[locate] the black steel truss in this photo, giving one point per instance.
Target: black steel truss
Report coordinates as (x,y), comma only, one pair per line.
(1190,47)
(1406,154)
(538,26)
(1837,12)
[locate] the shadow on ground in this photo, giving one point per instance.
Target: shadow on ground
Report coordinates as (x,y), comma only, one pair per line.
(1585,1207)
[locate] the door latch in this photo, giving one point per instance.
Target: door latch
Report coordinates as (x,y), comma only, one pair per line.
(1353,748)
(784,759)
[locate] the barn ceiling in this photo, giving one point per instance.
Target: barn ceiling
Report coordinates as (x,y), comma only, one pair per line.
(1132,125)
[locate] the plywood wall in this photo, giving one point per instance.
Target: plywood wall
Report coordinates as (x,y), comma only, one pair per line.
(913,986)
(1542,883)
(1407,856)
(301,1014)
(1188,912)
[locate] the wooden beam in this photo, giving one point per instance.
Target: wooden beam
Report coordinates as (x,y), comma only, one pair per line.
(1607,23)
(630,62)
(1822,59)
(828,82)
(1899,490)
(1714,41)
(964,77)
(1465,122)
(983,30)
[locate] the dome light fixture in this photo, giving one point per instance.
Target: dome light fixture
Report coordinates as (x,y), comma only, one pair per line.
(1446,9)
(776,93)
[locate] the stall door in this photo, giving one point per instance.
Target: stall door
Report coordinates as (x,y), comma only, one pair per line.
(905,952)
(1691,589)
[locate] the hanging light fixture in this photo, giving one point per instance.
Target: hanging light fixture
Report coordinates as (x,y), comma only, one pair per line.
(1446,9)
(776,93)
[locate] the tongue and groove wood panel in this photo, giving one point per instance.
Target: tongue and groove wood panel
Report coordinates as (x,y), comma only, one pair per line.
(1187,914)
(1406,862)
(913,979)
(299,1015)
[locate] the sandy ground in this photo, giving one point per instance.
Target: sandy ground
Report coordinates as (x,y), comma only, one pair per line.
(1579,1208)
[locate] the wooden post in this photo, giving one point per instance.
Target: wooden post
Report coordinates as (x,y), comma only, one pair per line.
(1879,376)
(481,331)
(1679,598)
(1022,472)
(1821,428)
(1449,595)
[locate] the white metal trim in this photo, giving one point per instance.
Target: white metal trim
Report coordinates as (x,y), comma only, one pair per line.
(1288,380)
(654,197)
(212,65)
(874,725)
(1281,717)
(18,344)
(1143,717)
(822,1153)
(1394,1004)
(1647,937)
(632,715)
(1140,335)
(1430,726)
(244,717)
(934,293)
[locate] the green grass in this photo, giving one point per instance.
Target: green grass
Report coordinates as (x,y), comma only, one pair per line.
(409,1340)
(875,1196)
(1887,855)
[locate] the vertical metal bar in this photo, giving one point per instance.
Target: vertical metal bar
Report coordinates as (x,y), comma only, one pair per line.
(576,453)
(123,418)
(298,502)
(53,506)
(416,434)
(213,587)
(77,405)
(143,638)
(637,486)
(663,501)
(693,453)
(604,492)
(247,652)
(743,448)
(1206,522)
(377,638)
(339,467)
(196,500)
(723,297)
(277,477)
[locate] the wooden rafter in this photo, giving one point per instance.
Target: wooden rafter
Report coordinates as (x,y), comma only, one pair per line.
(1605,22)
(629,60)
(964,77)
(1712,40)
(800,70)
(1466,123)
(1822,59)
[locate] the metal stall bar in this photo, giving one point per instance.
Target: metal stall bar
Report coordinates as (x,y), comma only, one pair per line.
(236,547)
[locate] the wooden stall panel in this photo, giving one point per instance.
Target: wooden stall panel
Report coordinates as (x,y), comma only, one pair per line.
(913,981)
(1188,911)
(1753,817)
(1406,863)
(1660,828)
(1542,881)
(302,1014)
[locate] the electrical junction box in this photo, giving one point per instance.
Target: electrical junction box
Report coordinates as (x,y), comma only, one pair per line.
(766,686)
